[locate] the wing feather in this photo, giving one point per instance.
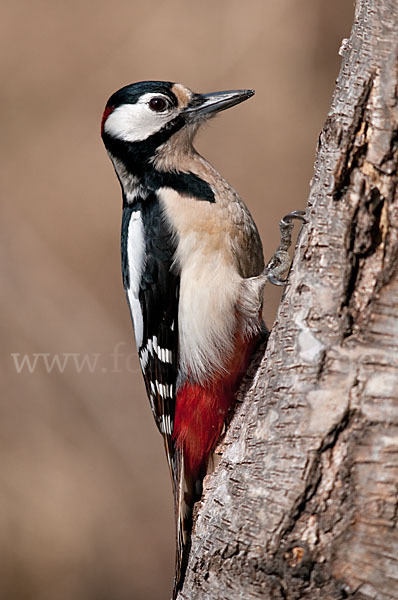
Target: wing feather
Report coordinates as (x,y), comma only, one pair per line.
(157,287)
(152,280)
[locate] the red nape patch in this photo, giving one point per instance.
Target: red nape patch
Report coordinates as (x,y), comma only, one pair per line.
(201,410)
(107,112)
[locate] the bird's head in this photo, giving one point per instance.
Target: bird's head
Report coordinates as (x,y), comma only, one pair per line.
(147,114)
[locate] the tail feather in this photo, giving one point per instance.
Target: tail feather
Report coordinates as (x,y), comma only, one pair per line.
(185,488)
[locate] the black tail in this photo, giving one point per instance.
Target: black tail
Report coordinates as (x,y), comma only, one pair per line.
(187,491)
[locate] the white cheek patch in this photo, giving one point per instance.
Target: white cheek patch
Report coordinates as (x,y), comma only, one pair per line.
(136,258)
(136,122)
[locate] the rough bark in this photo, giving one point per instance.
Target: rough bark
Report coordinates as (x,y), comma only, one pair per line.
(303,504)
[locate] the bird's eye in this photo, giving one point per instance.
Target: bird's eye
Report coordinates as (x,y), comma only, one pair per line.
(158,104)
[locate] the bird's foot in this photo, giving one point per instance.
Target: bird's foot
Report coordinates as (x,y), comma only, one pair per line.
(280,261)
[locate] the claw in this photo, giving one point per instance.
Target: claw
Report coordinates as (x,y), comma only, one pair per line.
(295,214)
(275,281)
(280,261)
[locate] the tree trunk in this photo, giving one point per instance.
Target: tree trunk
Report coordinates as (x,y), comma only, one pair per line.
(303,503)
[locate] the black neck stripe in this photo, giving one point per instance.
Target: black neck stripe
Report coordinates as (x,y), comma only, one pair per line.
(186,184)
(136,155)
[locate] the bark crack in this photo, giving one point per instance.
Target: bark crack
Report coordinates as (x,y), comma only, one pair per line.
(314,476)
(353,141)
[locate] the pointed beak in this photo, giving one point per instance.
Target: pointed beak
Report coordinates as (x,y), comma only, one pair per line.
(203,105)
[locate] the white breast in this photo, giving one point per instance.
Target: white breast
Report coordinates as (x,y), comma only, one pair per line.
(209,286)
(136,262)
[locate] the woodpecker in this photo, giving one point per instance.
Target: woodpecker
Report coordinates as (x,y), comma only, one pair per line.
(193,272)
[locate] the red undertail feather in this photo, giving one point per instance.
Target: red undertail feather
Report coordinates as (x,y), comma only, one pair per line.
(200,413)
(201,410)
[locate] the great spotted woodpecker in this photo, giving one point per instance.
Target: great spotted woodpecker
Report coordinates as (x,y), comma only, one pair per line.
(193,271)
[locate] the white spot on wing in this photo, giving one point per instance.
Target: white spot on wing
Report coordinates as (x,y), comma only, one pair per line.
(165,424)
(163,389)
(168,424)
(144,358)
(155,343)
(152,405)
(163,354)
(136,258)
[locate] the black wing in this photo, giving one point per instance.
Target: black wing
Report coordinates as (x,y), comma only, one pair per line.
(158,297)
(158,352)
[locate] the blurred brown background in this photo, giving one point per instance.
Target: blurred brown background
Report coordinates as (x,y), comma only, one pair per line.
(85,501)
